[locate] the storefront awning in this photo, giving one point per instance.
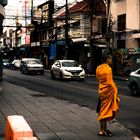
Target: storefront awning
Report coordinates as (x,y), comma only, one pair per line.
(79,40)
(100,45)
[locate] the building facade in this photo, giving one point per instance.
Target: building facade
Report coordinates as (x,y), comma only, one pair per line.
(125,20)
(84,32)
(70,35)
(3,3)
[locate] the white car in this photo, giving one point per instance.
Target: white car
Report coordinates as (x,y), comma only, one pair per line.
(67,69)
(134,82)
(15,64)
(28,65)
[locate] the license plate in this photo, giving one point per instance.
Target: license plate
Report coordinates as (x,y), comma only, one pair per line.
(75,74)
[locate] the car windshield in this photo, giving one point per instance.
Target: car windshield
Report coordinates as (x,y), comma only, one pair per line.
(33,61)
(16,61)
(6,60)
(69,64)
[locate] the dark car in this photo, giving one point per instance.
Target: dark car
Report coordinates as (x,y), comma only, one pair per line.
(134,82)
(6,63)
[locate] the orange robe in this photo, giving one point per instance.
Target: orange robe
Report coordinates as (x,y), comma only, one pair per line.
(108,93)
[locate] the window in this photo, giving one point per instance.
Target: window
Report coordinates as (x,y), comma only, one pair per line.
(76,25)
(122,22)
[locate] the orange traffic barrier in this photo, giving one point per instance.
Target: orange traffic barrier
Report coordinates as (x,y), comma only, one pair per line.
(27,138)
(16,126)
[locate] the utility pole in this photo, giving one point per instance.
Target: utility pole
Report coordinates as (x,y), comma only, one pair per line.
(108,3)
(66,30)
(16,38)
(31,10)
(25,21)
(91,36)
(31,21)
(93,61)
(109,33)
(56,40)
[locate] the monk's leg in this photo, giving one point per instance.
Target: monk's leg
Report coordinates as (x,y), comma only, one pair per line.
(102,126)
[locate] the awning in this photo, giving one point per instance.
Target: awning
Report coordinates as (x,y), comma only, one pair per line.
(100,45)
(79,40)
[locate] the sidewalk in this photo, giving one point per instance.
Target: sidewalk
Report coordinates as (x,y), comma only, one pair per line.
(53,119)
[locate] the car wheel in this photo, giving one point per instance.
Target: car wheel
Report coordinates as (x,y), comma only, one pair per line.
(52,75)
(42,72)
(134,89)
(26,71)
(22,71)
(61,76)
(12,67)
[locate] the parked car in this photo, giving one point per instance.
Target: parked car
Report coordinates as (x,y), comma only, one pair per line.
(15,64)
(31,65)
(67,69)
(6,63)
(134,82)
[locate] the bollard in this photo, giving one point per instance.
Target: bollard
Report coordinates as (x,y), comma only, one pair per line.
(16,126)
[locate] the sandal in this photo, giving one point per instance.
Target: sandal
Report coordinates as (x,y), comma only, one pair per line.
(109,132)
(106,134)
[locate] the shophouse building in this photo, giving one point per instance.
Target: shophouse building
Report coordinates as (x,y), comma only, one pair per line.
(125,32)
(3,3)
(72,31)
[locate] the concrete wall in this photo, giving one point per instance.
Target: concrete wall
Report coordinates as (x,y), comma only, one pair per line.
(133,13)
(132,10)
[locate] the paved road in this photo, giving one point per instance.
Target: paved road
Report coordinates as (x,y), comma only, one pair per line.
(51,118)
(82,93)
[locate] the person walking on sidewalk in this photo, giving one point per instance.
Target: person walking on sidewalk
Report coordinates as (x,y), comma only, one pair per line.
(108,95)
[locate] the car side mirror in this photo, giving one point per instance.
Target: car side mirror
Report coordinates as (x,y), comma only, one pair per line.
(58,65)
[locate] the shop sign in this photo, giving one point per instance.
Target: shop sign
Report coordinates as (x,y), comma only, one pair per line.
(34,44)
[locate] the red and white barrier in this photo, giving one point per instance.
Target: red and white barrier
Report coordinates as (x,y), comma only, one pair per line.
(16,127)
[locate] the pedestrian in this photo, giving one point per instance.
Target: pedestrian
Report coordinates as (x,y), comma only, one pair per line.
(108,95)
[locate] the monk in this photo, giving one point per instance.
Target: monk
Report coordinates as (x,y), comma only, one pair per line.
(108,95)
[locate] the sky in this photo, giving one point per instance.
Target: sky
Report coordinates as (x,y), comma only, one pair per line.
(36,2)
(11,9)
